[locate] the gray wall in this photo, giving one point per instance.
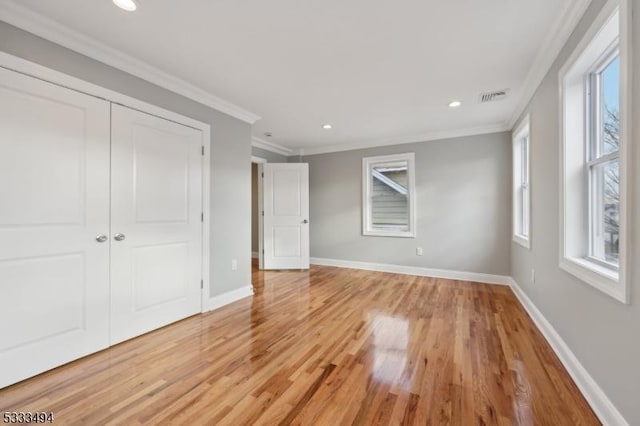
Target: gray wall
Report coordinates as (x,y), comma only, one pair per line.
(603,333)
(463,192)
(230,149)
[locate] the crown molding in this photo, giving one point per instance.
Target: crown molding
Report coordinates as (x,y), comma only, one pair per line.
(53,31)
(271,146)
(425,137)
(548,52)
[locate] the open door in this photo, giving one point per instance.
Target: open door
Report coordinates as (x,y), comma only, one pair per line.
(286,215)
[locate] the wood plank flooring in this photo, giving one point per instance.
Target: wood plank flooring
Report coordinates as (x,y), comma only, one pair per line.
(327,346)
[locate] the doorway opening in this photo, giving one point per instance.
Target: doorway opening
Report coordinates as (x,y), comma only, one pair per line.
(256,214)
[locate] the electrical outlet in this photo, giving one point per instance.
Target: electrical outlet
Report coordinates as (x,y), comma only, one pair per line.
(533,276)
(234,265)
(419,251)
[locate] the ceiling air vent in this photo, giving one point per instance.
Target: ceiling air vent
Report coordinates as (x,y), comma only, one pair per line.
(496,95)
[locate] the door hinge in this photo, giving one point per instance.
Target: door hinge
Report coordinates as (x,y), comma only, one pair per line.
(203,150)
(201,283)
(262,212)
(262,251)
(262,174)
(202,217)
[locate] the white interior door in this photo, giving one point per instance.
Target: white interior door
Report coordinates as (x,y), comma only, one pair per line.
(156,207)
(286,216)
(54,203)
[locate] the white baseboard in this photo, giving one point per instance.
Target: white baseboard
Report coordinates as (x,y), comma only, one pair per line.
(254,254)
(228,297)
(415,270)
(595,396)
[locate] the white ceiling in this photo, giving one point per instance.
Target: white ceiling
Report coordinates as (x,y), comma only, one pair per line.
(379,71)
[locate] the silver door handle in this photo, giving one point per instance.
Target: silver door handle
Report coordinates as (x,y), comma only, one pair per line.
(119,237)
(305,221)
(101,238)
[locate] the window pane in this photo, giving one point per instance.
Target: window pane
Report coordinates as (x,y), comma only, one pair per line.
(525,212)
(390,197)
(525,160)
(607,212)
(610,108)
(524,231)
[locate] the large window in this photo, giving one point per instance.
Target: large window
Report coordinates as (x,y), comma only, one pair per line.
(521,186)
(388,195)
(595,131)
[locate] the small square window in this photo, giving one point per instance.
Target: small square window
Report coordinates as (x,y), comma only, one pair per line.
(388,195)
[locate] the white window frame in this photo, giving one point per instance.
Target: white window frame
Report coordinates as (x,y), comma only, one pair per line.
(367,185)
(609,31)
(522,183)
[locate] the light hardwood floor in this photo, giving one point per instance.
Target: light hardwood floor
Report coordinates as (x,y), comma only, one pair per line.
(328,346)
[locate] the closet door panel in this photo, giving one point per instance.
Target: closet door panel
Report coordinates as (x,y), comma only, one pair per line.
(54,203)
(156,224)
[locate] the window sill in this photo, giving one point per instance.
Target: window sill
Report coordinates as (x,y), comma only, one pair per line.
(524,242)
(603,279)
(388,233)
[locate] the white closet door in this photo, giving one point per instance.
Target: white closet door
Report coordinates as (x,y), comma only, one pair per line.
(54,202)
(156,228)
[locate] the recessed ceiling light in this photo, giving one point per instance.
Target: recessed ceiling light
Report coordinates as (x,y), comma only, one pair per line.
(327,126)
(455,104)
(128,5)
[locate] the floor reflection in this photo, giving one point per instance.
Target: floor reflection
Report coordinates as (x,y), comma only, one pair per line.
(390,346)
